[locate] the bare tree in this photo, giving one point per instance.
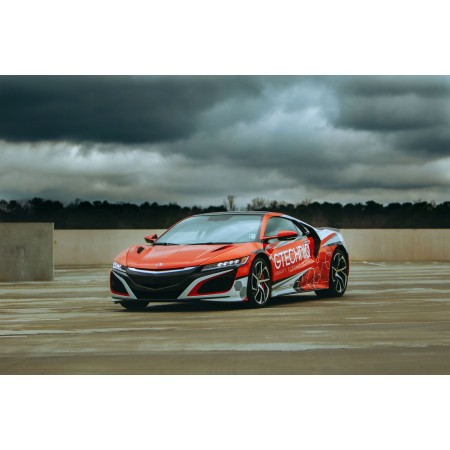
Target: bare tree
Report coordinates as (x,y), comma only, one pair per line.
(229,203)
(257,204)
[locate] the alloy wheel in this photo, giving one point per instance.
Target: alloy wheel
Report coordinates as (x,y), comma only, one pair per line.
(339,272)
(260,283)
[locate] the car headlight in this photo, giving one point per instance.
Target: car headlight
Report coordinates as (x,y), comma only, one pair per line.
(224,264)
(118,266)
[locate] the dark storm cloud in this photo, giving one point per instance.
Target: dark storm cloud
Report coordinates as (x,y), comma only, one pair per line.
(369,86)
(111,109)
(198,139)
(432,143)
(386,104)
(164,109)
(395,113)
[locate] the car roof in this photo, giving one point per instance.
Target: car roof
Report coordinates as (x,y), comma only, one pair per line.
(255,213)
(239,213)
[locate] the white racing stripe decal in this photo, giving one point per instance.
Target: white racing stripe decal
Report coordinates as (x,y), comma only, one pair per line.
(334,240)
(236,294)
(125,285)
(286,286)
(185,293)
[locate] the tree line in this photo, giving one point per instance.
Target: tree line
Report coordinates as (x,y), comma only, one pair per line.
(104,215)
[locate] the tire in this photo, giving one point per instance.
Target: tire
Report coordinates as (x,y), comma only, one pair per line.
(134,305)
(259,286)
(338,276)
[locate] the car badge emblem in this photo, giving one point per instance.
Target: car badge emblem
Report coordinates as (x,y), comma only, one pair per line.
(160,264)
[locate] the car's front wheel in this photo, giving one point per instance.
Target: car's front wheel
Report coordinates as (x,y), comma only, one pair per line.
(134,305)
(259,286)
(338,276)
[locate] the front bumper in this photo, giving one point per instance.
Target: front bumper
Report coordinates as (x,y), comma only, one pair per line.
(189,283)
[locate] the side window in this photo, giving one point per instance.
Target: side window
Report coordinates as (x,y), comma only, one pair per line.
(277,224)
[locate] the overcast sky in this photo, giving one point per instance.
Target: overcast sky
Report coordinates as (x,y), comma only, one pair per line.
(194,140)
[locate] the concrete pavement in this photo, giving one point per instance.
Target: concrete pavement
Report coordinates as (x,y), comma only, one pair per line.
(394,319)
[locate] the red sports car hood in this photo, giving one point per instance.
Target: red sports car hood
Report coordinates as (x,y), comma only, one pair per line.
(176,256)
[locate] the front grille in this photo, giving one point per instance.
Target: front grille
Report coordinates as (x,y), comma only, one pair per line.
(156,282)
(163,280)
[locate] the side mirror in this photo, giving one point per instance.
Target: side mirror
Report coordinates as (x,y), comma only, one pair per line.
(151,238)
(286,235)
(283,235)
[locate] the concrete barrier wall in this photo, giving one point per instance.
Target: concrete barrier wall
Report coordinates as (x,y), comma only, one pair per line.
(26,251)
(93,247)
(398,245)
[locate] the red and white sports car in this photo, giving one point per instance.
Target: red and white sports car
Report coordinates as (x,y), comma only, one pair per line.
(232,257)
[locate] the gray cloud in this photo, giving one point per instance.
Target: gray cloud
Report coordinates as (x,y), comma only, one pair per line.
(393,113)
(370,86)
(431,143)
(112,108)
(197,139)
(388,104)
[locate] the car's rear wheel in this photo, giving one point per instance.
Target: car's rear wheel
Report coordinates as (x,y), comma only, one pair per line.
(338,276)
(259,286)
(134,305)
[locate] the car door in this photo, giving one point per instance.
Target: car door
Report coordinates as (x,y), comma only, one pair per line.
(290,259)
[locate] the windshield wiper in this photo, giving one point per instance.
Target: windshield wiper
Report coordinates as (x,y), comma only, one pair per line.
(164,243)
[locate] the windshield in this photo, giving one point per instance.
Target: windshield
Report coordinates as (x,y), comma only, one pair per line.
(217,229)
